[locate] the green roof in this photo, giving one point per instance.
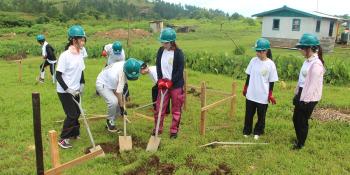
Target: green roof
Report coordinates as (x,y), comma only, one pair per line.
(290,12)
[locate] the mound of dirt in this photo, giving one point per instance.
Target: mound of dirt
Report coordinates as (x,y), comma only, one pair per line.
(153,165)
(329,114)
(123,34)
(18,56)
(222,169)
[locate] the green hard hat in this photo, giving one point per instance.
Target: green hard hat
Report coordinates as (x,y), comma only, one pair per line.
(76,31)
(132,68)
(262,44)
(117,47)
(308,40)
(167,35)
(40,37)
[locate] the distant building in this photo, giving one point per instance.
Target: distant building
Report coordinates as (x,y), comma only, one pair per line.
(156,26)
(284,26)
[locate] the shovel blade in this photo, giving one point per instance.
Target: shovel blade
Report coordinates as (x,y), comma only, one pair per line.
(125,143)
(98,147)
(153,144)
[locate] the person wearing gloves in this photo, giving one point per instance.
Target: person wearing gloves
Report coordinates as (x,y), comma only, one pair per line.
(48,54)
(258,88)
(70,78)
(170,66)
(152,72)
(309,88)
(110,83)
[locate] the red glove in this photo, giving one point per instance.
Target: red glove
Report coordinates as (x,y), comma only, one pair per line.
(104,53)
(161,84)
(168,83)
(245,90)
(271,98)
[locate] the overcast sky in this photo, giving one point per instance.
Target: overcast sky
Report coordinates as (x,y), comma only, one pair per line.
(250,7)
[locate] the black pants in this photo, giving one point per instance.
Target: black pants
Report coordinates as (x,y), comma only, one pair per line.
(71,123)
(251,108)
(126,91)
(46,63)
(301,116)
(154,99)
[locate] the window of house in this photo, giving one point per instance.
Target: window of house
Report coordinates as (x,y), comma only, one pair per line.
(276,24)
(296,25)
(318,25)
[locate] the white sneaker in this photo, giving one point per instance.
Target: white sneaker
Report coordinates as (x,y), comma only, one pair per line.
(256,137)
(246,136)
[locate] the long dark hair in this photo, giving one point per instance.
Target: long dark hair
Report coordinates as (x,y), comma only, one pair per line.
(70,41)
(173,45)
(269,54)
(319,51)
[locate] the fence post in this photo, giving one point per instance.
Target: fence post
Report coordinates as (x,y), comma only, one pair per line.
(203,104)
(37,133)
(55,156)
(233,100)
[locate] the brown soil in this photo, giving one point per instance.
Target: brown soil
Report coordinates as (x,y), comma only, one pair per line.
(222,169)
(131,105)
(330,114)
(123,34)
(18,56)
(153,165)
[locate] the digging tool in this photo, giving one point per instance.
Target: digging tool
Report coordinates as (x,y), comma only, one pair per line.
(94,147)
(125,142)
(154,141)
(231,143)
(38,78)
(53,73)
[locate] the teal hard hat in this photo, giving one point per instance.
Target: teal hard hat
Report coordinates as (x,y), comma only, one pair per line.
(117,47)
(40,37)
(308,40)
(262,44)
(76,31)
(132,68)
(167,35)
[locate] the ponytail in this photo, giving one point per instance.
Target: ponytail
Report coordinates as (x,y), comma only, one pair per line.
(70,42)
(173,45)
(319,51)
(269,54)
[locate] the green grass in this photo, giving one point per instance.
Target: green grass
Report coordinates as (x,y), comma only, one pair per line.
(327,150)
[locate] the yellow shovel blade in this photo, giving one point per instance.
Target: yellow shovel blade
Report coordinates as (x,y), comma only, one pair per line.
(98,147)
(153,144)
(125,143)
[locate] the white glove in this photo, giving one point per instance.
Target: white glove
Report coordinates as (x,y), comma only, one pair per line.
(72,92)
(81,89)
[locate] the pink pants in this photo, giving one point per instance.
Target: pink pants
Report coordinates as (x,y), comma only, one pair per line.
(177,99)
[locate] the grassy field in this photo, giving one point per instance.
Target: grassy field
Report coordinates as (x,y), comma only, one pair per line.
(327,150)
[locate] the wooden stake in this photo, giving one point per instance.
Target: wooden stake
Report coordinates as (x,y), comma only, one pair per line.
(55,156)
(144,116)
(233,100)
(20,70)
(37,133)
(205,108)
(185,90)
(203,103)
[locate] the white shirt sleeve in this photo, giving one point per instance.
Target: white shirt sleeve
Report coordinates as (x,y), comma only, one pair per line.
(249,67)
(123,55)
(61,64)
(121,82)
(273,73)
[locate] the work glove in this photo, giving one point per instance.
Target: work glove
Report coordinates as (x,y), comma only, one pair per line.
(81,88)
(271,98)
(168,83)
(104,53)
(161,84)
(123,111)
(73,92)
(245,90)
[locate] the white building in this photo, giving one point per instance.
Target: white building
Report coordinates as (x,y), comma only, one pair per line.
(156,26)
(284,27)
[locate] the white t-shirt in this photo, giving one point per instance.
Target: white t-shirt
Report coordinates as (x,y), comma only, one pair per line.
(113,77)
(261,74)
(167,61)
(83,52)
(71,66)
(112,57)
(44,53)
(305,69)
(153,73)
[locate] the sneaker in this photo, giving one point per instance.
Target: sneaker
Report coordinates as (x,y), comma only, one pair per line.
(75,137)
(246,136)
(256,137)
(64,143)
(173,135)
(110,125)
(41,80)
(297,147)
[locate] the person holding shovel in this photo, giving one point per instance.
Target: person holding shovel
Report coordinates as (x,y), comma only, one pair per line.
(70,78)
(258,88)
(309,88)
(48,54)
(110,83)
(170,66)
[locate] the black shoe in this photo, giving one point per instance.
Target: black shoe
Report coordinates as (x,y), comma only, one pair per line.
(110,125)
(64,143)
(173,135)
(297,146)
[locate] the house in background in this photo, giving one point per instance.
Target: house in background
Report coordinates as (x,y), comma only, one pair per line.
(284,26)
(156,26)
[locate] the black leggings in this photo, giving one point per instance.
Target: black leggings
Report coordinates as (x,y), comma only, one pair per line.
(46,63)
(71,123)
(251,108)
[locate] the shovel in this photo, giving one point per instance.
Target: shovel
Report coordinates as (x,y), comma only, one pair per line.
(38,78)
(154,141)
(53,73)
(125,142)
(94,147)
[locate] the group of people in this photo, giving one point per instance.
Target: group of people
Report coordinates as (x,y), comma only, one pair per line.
(167,74)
